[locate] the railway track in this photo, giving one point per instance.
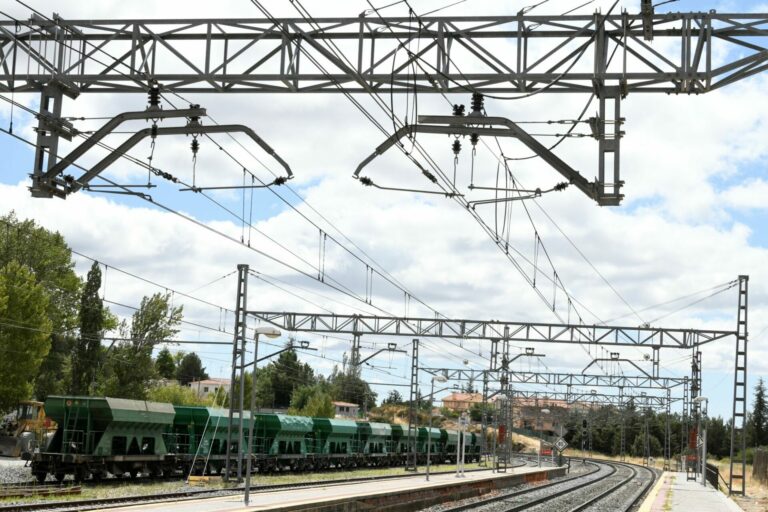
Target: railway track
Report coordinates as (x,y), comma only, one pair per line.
(606,487)
(141,480)
(95,504)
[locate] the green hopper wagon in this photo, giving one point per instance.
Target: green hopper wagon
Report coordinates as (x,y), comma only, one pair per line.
(100,435)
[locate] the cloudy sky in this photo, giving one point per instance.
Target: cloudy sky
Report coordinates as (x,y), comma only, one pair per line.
(694,216)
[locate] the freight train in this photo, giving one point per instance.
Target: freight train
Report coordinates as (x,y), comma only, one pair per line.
(98,436)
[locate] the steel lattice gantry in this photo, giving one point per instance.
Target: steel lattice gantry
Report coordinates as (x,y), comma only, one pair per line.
(608,55)
(652,337)
(594,399)
(283,55)
(560,379)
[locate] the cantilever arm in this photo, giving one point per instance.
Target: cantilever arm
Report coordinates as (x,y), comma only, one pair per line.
(181,130)
(379,352)
(461,125)
(513,130)
(110,126)
(615,360)
(421,128)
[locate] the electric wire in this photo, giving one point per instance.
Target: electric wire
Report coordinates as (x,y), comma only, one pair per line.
(381,271)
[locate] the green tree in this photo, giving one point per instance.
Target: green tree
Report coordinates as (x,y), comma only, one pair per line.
(320,405)
(718,438)
(54,377)
(174,394)
(758,421)
(394,397)
(165,365)
(130,368)
(49,258)
(300,398)
(24,332)
(286,374)
(347,386)
(86,354)
(190,369)
(276,382)
(156,321)
(311,399)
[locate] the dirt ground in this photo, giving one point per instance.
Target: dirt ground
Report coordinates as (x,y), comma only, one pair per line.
(756,499)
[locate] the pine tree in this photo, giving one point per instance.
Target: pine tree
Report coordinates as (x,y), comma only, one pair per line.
(190,369)
(165,365)
(87,350)
(760,416)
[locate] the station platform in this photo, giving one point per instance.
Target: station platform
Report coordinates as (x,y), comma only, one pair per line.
(397,494)
(673,493)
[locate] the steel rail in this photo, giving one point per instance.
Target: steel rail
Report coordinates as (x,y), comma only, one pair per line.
(96,503)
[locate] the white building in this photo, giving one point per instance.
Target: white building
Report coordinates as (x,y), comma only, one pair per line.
(208,387)
(346,410)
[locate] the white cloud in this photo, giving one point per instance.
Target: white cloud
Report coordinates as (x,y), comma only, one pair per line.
(750,195)
(674,151)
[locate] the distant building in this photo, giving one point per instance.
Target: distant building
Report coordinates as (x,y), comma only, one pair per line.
(528,415)
(346,410)
(461,402)
(208,387)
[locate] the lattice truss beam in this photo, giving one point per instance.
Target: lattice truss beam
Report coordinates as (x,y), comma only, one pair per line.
(589,399)
(662,53)
(516,377)
(656,337)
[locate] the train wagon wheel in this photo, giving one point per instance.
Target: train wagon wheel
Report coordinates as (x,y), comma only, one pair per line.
(41,476)
(59,477)
(133,472)
(80,474)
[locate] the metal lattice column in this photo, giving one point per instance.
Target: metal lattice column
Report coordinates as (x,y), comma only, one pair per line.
(738,430)
(238,369)
(484,420)
(50,127)
(667,432)
(695,411)
(684,424)
(623,413)
(503,450)
(413,408)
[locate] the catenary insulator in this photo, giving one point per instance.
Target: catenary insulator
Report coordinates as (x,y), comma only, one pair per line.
(456,147)
(477,102)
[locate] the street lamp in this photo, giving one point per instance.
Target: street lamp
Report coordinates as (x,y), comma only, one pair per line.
(541,428)
(703,434)
(438,378)
(269,332)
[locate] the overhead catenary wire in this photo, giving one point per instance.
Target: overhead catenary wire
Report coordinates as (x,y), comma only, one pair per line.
(378,268)
(430,161)
(496,240)
(410,294)
(337,286)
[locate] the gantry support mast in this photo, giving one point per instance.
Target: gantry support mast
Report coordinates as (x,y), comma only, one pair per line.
(738,430)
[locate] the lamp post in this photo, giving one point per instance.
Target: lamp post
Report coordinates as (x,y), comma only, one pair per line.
(438,378)
(541,428)
(269,332)
(703,436)
(463,421)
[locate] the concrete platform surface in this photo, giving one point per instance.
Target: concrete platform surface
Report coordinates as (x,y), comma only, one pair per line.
(326,495)
(673,493)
